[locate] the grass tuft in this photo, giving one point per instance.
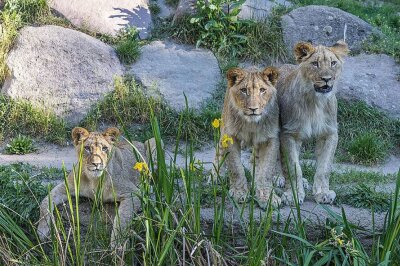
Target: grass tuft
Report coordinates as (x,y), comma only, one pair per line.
(127,47)
(368,149)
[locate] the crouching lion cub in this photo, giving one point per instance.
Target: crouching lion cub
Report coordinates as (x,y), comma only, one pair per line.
(101,154)
(308,109)
(250,117)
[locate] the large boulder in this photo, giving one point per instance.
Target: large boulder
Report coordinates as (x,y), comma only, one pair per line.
(324,25)
(60,69)
(106,16)
(260,9)
(373,79)
(177,69)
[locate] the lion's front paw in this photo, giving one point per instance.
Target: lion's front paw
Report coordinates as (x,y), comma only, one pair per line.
(239,194)
(279,181)
(43,230)
(325,197)
(289,199)
(264,195)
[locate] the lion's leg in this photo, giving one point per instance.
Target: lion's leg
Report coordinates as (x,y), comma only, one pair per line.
(57,196)
(238,184)
(325,151)
(290,151)
(266,154)
(123,218)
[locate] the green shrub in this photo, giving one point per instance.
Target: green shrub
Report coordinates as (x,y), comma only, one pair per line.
(154,8)
(20,145)
(128,46)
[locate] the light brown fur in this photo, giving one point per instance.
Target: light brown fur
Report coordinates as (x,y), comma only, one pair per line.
(251,117)
(101,154)
(308,109)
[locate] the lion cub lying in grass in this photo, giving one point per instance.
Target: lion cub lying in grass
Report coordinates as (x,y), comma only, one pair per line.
(308,109)
(250,116)
(101,154)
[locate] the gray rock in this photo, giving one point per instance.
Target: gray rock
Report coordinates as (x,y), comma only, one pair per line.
(60,69)
(374,79)
(106,16)
(174,69)
(165,10)
(260,9)
(184,8)
(324,25)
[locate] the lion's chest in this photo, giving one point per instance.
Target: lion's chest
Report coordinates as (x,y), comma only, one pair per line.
(253,134)
(314,123)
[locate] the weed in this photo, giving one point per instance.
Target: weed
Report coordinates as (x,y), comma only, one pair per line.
(20,145)
(127,47)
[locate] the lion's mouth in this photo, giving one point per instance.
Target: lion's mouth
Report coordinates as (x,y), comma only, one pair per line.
(323,89)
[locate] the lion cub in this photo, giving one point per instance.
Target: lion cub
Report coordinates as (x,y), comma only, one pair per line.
(101,154)
(250,116)
(308,108)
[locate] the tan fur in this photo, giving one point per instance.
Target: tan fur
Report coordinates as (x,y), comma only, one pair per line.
(308,109)
(251,92)
(101,154)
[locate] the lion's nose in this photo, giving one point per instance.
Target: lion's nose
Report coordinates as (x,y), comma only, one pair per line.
(253,109)
(96,164)
(326,79)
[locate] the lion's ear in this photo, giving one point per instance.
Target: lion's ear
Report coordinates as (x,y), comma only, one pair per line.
(111,134)
(79,134)
(340,48)
(271,74)
(235,75)
(303,50)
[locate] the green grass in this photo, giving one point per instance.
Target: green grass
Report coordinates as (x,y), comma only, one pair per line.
(20,145)
(383,15)
(363,196)
(366,135)
(368,148)
(127,46)
(20,117)
(172,3)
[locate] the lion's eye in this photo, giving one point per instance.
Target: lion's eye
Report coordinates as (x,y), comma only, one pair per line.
(315,63)
(333,63)
(262,90)
(105,149)
(243,90)
(87,148)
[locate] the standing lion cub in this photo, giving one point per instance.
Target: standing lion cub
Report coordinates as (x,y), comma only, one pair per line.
(101,154)
(250,116)
(308,109)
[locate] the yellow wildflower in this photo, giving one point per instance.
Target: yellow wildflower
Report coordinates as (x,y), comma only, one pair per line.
(340,242)
(216,123)
(226,141)
(141,167)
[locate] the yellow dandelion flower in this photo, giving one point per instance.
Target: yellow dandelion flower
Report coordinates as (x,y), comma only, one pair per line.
(216,123)
(226,141)
(141,167)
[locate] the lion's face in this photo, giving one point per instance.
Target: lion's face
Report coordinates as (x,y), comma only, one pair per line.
(96,149)
(252,91)
(320,65)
